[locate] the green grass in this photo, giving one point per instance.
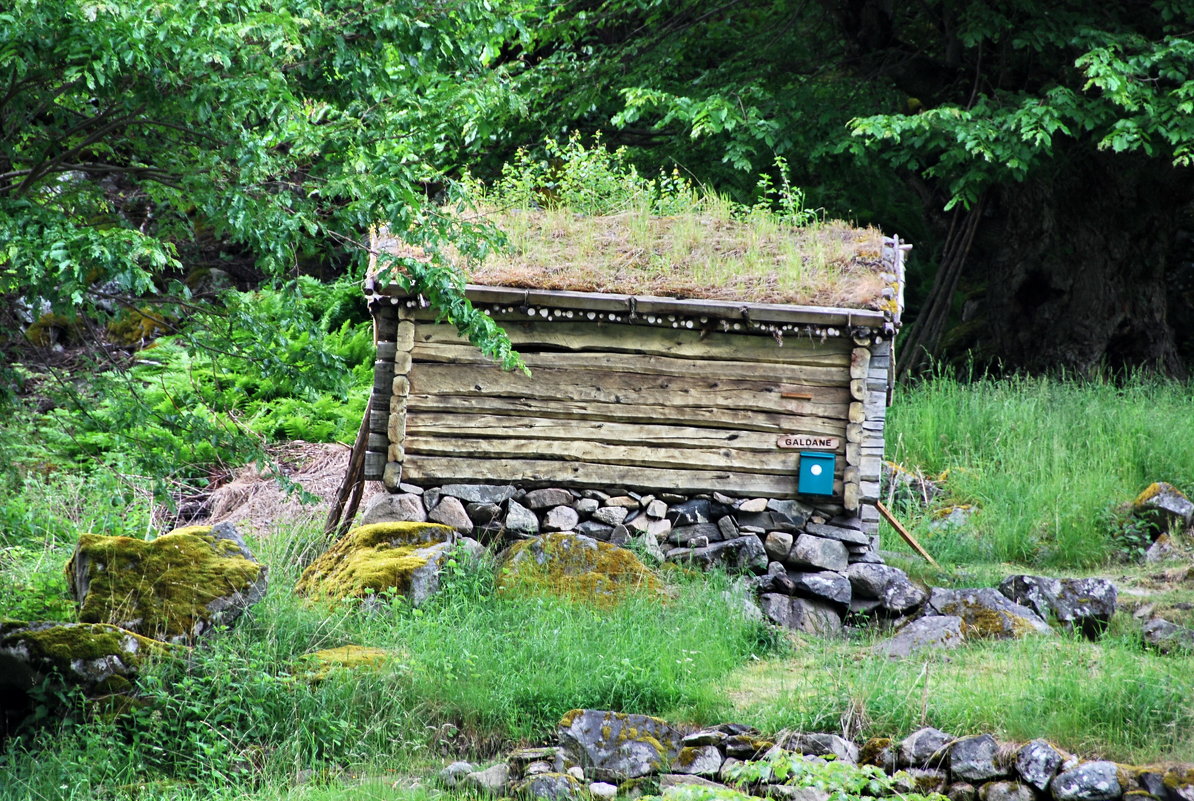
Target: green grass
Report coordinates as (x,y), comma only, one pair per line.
(1045,461)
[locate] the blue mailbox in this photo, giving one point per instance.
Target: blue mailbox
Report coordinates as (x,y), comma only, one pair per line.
(816,473)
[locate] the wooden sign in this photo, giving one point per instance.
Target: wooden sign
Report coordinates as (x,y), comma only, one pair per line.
(807,441)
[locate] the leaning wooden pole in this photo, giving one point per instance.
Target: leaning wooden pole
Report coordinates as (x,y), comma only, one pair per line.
(348,498)
(908,538)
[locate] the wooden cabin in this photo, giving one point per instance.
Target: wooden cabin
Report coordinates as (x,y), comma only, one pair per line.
(655,396)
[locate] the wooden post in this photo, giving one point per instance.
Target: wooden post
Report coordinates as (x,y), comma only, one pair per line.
(903,532)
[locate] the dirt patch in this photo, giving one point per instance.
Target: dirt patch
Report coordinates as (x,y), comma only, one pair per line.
(255,499)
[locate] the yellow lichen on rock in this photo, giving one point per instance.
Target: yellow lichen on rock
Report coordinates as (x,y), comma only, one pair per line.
(318,665)
(378,558)
(172,588)
(574,566)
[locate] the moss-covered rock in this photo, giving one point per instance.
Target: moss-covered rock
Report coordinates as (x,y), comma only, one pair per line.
(371,560)
(318,665)
(986,613)
(173,588)
(90,655)
(575,566)
(614,747)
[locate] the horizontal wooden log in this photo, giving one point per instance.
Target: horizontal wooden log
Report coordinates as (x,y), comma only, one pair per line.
(853,453)
(385,323)
(400,386)
(856,413)
(395,452)
(402,363)
(397,404)
(620,338)
(676,437)
(589,385)
(659,456)
(404,335)
(383,376)
(855,432)
(378,443)
(858,389)
(385,351)
(776,422)
(539,473)
(815,375)
(396,426)
(851,497)
(378,420)
(375,464)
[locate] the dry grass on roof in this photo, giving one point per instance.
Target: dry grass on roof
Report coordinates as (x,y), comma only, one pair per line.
(700,255)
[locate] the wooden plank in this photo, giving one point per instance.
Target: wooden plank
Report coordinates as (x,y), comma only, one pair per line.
(427,424)
(385,322)
(776,422)
(375,464)
(903,532)
(378,420)
(378,442)
(590,385)
(620,338)
(540,473)
(812,369)
(385,351)
(773,462)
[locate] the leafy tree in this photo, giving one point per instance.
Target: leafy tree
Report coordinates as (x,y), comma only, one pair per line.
(137,137)
(1046,147)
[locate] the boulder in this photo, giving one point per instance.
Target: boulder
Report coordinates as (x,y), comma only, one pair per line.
(1090,781)
(614,747)
(521,520)
(1037,763)
(450,776)
(561,518)
(972,759)
(494,780)
(745,553)
(925,747)
(451,512)
(97,657)
(890,586)
(576,566)
(604,791)
(778,545)
(1164,506)
(818,744)
(611,515)
(698,760)
(819,553)
(386,507)
(801,614)
(547,498)
(173,588)
(849,536)
(369,561)
(824,586)
(1166,637)
(986,613)
(552,786)
(685,535)
(934,631)
(1006,791)
(1085,605)
(484,515)
(479,493)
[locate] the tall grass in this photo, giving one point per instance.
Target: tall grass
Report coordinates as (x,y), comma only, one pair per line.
(1043,460)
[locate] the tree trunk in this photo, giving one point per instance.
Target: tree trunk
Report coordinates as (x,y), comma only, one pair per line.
(1070,269)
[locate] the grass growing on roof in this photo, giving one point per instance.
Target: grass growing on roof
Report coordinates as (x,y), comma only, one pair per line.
(583,219)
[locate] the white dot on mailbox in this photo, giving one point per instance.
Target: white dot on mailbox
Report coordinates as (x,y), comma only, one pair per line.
(815,470)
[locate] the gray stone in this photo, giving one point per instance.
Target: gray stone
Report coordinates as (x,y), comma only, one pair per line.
(1090,781)
(779,545)
(1005,791)
(560,518)
(385,507)
(451,775)
(657,509)
(1037,763)
(847,535)
(766,521)
(986,613)
(924,748)
(1165,506)
(973,759)
(741,554)
(817,744)
(823,554)
(660,529)
(1085,605)
(788,792)
(921,781)
(483,514)
(667,781)
(728,527)
(450,511)
(698,760)
(801,614)
(698,510)
(522,761)
(683,535)
(553,787)
(864,605)
(649,545)
(1167,637)
(494,780)
(933,631)
(614,747)
(620,535)
(824,585)
(726,774)
(611,515)
(794,511)
(603,791)
(775,582)
(1161,549)
(961,791)
(546,498)
(478,493)
(596,530)
(411,489)
(586,506)
(704,737)
(597,495)
(521,520)
(896,593)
